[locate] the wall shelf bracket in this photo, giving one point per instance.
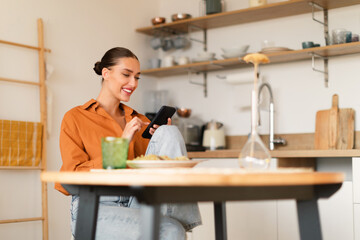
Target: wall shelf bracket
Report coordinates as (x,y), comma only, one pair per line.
(325,23)
(203,84)
(204,41)
(326,69)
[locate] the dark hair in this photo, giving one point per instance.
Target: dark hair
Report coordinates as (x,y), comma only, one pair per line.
(111,58)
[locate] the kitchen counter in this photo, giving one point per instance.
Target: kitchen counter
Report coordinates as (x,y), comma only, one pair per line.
(299,145)
(234,153)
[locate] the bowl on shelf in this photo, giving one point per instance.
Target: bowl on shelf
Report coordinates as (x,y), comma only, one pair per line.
(180,16)
(236,49)
(233,55)
(204,56)
(158,20)
(183,112)
(208,55)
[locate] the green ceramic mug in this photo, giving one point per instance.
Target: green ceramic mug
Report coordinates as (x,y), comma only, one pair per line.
(114,152)
(213,6)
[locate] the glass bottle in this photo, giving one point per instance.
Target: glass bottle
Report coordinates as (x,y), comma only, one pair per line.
(254,154)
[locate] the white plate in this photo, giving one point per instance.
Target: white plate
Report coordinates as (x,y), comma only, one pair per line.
(232,55)
(162,163)
(275,49)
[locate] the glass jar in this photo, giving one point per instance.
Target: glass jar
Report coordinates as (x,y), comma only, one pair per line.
(256,3)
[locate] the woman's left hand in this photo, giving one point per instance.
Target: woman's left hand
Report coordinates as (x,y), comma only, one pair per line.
(155,126)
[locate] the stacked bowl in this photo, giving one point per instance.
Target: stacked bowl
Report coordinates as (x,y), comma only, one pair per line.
(236,51)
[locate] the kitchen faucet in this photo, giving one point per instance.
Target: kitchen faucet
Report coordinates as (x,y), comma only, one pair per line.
(272,140)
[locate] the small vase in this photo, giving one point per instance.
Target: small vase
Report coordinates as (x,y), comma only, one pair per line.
(254,154)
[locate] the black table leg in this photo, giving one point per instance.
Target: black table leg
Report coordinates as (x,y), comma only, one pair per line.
(220,220)
(87,214)
(309,220)
(150,221)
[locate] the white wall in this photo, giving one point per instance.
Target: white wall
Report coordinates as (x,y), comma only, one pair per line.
(298,91)
(78,33)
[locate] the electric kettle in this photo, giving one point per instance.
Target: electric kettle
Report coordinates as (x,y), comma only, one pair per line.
(214,135)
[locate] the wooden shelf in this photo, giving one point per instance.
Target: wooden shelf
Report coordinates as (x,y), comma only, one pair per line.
(269,11)
(275,57)
(279,153)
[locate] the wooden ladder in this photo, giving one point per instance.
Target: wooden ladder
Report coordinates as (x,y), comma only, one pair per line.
(43,118)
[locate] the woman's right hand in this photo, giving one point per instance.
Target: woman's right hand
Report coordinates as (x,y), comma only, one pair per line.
(132,127)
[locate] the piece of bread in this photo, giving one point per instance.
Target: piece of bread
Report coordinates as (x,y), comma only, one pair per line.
(256,58)
(164,157)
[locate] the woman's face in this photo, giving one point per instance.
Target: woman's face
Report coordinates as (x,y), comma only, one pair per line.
(122,78)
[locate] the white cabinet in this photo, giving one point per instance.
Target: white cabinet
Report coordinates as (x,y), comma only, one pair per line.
(356,179)
(336,216)
(245,220)
(277,220)
(251,220)
(288,224)
(357,221)
(356,196)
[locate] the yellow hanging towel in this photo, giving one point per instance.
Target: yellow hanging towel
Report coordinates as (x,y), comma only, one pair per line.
(20,143)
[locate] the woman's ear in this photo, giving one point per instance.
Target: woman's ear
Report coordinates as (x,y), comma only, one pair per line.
(105,73)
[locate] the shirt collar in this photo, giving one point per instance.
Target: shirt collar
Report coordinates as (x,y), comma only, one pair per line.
(93,104)
(90,103)
(127,110)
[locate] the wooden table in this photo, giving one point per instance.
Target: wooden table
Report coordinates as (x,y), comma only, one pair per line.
(155,186)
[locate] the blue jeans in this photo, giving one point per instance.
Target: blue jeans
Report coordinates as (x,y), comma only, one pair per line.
(119,216)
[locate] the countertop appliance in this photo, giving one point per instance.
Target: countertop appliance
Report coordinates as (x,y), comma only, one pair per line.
(191,129)
(214,135)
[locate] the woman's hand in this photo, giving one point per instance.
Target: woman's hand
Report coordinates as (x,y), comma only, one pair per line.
(132,127)
(155,126)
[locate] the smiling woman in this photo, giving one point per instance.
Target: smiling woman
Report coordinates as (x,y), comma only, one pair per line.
(80,144)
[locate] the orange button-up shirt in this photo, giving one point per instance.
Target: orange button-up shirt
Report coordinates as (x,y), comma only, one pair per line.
(80,137)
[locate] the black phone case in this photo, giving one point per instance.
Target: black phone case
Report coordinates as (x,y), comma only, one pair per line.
(160,118)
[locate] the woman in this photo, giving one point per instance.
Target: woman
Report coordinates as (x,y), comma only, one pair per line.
(82,129)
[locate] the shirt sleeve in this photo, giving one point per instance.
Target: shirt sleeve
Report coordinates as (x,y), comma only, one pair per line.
(140,143)
(73,154)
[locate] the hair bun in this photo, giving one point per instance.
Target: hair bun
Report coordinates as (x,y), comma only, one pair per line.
(98,68)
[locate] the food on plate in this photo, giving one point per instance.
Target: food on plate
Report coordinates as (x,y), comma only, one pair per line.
(256,58)
(163,157)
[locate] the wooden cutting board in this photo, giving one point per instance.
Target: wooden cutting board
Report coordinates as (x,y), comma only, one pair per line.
(335,127)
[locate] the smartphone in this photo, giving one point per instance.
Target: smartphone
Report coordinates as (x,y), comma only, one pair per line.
(160,118)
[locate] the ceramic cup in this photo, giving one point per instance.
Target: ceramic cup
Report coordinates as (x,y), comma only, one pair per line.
(309,44)
(168,61)
(339,35)
(168,44)
(256,3)
(183,60)
(114,152)
(180,42)
(154,63)
(355,38)
(348,36)
(267,44)
(156,42)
